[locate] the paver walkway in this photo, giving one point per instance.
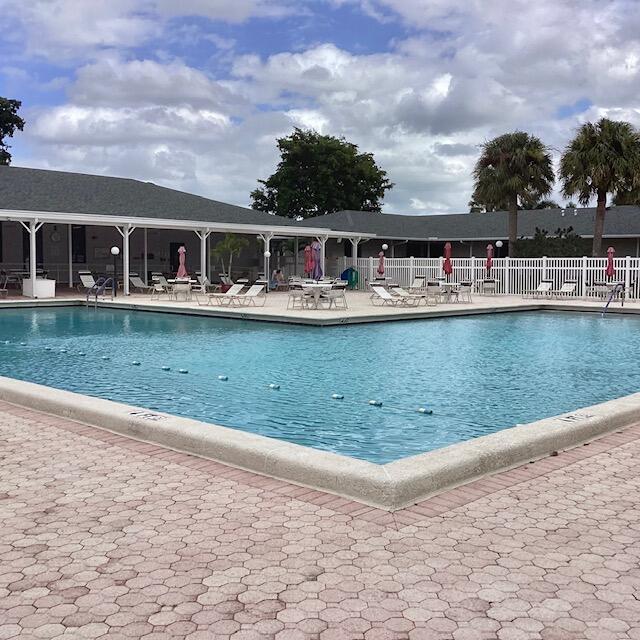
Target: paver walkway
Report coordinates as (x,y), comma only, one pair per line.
(105,537)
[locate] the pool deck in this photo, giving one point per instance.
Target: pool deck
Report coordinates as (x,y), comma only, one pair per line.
(360,308)
(107,537)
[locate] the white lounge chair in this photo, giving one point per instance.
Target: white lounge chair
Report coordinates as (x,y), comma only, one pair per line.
(382,297)
(543,290)
(417,284)
(87,281)
(137,283)
(221,298)
(567,289)
(426,296)
(250,297)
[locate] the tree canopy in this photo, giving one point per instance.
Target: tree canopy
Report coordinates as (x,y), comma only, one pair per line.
(513,170)
(320,174)
(9,122)
(603,158)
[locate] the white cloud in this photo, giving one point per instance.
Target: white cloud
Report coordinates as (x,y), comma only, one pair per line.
(471,69)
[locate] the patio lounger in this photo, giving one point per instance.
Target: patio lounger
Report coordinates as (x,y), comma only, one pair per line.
(543,290)
(255,293)
(87,281)
(567,289)
(383,297)
(418,284)
(426,296)
(137,283)
(222,298)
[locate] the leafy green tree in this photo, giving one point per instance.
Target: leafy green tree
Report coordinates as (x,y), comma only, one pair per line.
(231,245)
(320,174)
(9,122)
(627,196)
(513,169)
(563,243)
(603,158)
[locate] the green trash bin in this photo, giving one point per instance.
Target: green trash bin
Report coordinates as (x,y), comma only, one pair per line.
(351,276)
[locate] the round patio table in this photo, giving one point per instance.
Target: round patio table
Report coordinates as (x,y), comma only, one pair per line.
(316,288)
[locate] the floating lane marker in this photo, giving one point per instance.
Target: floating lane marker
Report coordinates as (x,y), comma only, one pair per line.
(81,353)
(223,378)
(7,341)
(183,370)
(105,357)
(135,363)
(166,368)
(63,351)
(274,386)
(337,396)
(23,344)
(46,348)
(425,410)
(375,403)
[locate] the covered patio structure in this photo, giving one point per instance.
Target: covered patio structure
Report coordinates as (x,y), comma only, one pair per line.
(57,224)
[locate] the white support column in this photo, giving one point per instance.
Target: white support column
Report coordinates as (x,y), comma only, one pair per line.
(125,232)
(412,269)
(323,258)
(584,276)
(33,229)
(145,260)
(266,239)
(354,251)
(544,267)
(473,272)
(296,252)
(70,249)
(203,234)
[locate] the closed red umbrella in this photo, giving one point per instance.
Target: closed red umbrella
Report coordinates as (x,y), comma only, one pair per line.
(308,261)
(182,270)
(611,271)
(489,263)
(447,267)
(381,263)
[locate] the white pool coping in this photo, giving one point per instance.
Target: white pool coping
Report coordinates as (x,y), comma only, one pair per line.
(390,486)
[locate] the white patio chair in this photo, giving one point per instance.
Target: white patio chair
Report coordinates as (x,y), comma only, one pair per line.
(488,287)
(542,291)
(298,299)
(4,292)
(383,297)
(87,281)
(221,298)
(421,296)
(250,297)
(464,291)
(336,298)
(137,284)
(567,289)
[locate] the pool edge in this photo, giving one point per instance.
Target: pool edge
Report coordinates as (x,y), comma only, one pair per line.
(392,486)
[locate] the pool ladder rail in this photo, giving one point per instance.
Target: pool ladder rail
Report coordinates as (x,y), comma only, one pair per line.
(98,289)
(618,288)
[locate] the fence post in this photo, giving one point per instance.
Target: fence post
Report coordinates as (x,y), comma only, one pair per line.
(507,279)
(412,270)
(627,276)
(584,276)
(544,267)
(473,272)
(370,269)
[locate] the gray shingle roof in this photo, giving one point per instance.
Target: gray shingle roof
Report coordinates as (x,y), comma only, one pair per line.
(619,221)
(26,189)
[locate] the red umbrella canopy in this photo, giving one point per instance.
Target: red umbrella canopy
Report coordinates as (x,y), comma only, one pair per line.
(610,271)
(447,267)
(489,262)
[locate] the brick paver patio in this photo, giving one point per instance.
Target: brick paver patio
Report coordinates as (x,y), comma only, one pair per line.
(107,537)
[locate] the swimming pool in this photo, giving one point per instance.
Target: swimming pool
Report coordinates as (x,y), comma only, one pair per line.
(477,374)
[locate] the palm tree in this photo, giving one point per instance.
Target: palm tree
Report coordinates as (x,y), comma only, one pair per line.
(230,246)
(603,158)
(513,168)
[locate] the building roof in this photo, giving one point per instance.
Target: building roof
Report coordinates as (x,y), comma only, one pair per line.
(619,222)
(24,189)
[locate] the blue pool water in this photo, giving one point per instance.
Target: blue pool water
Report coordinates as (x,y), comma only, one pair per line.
(478,374)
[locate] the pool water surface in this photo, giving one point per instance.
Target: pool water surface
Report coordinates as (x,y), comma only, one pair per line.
(477,374)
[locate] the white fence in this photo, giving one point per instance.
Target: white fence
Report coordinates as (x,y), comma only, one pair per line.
(513,276)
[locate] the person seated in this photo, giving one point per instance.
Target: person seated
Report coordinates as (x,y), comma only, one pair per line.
(277,280)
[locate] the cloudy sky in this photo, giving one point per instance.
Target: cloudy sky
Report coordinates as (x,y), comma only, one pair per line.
(192,94)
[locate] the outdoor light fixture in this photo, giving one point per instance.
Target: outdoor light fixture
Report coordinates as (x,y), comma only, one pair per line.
(385,247)
(267,254)
(115,252)
(499,244)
